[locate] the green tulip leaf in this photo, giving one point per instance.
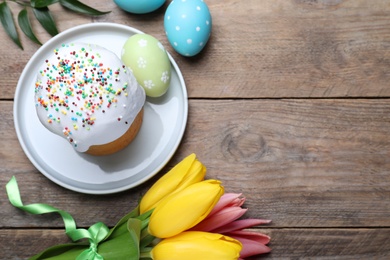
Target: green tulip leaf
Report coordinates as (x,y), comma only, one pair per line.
(121,226)
(42,3)
(145,218)
(25,25)
(44,17)
(146,238)
(120,247)
(7,21)
(146,241)
(79,7)
(134,228)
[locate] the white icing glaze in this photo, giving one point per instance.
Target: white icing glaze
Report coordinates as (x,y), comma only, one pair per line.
(85,94)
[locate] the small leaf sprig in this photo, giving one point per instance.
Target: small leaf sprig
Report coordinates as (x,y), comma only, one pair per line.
(40,9)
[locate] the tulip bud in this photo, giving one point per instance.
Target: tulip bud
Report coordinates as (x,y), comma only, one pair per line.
(185,209)
(185,173)
(195,245)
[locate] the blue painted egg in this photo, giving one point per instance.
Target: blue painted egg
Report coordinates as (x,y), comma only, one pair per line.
(139,6)
(187,24)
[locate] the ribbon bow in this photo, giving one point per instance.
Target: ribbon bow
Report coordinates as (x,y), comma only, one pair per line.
(95,234)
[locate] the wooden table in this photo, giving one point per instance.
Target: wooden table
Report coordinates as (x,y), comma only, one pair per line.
(288,103)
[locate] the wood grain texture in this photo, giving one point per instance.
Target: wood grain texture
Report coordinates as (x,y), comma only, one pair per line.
(269,48)
(288,103)
(288,243)
(306,163)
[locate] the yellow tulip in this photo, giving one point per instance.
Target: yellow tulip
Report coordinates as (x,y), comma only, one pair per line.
(195,245)
(185,209)
(185,173)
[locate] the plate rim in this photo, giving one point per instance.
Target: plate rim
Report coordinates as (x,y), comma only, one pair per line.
(28,153)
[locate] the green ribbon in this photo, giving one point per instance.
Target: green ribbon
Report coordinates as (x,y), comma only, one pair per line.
(95,234)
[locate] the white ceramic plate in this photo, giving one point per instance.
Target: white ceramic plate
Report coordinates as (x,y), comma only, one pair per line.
(163,127)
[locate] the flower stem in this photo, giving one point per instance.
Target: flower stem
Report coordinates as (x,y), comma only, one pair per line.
(145,253)
(144,233)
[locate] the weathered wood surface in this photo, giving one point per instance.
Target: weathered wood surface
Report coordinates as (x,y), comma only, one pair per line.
(268,48)
(291,243)
(288,104)
(302,163)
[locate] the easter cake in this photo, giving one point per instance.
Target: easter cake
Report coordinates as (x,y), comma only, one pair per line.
(84,93)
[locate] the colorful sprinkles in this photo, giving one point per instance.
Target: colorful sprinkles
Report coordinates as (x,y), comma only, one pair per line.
(80,86)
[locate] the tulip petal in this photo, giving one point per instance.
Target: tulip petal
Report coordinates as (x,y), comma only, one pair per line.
(194,245)
(226,199)
(251,247)
(240,224)
(183,174)
(195,174)
(258,237)
(220,219)
(185,209)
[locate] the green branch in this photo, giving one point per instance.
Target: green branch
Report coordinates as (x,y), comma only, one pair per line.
(42,14)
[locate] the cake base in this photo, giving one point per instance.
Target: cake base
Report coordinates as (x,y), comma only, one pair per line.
(121,142)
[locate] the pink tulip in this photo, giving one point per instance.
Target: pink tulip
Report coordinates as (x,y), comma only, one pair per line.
(224,219)
(253,243)
(219,219)
(240,225)
(228,200)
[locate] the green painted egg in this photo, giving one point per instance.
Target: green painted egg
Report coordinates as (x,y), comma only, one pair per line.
(149,61)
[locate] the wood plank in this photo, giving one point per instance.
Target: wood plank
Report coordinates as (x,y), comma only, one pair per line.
(301,163)
(291,243)
(303,243)
(316,163)
(270,48)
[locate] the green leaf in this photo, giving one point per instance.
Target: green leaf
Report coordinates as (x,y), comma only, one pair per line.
(146,240)
(42,3)
(121,226)
(7,21)
(145,217)
(134,228)
(79,7)
(44,17)
(119,248)
(25,25)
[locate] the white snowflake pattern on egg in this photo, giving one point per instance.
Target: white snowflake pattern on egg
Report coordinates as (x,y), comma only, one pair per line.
(143,43)
(149,62)
(188,26)
(141,63)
